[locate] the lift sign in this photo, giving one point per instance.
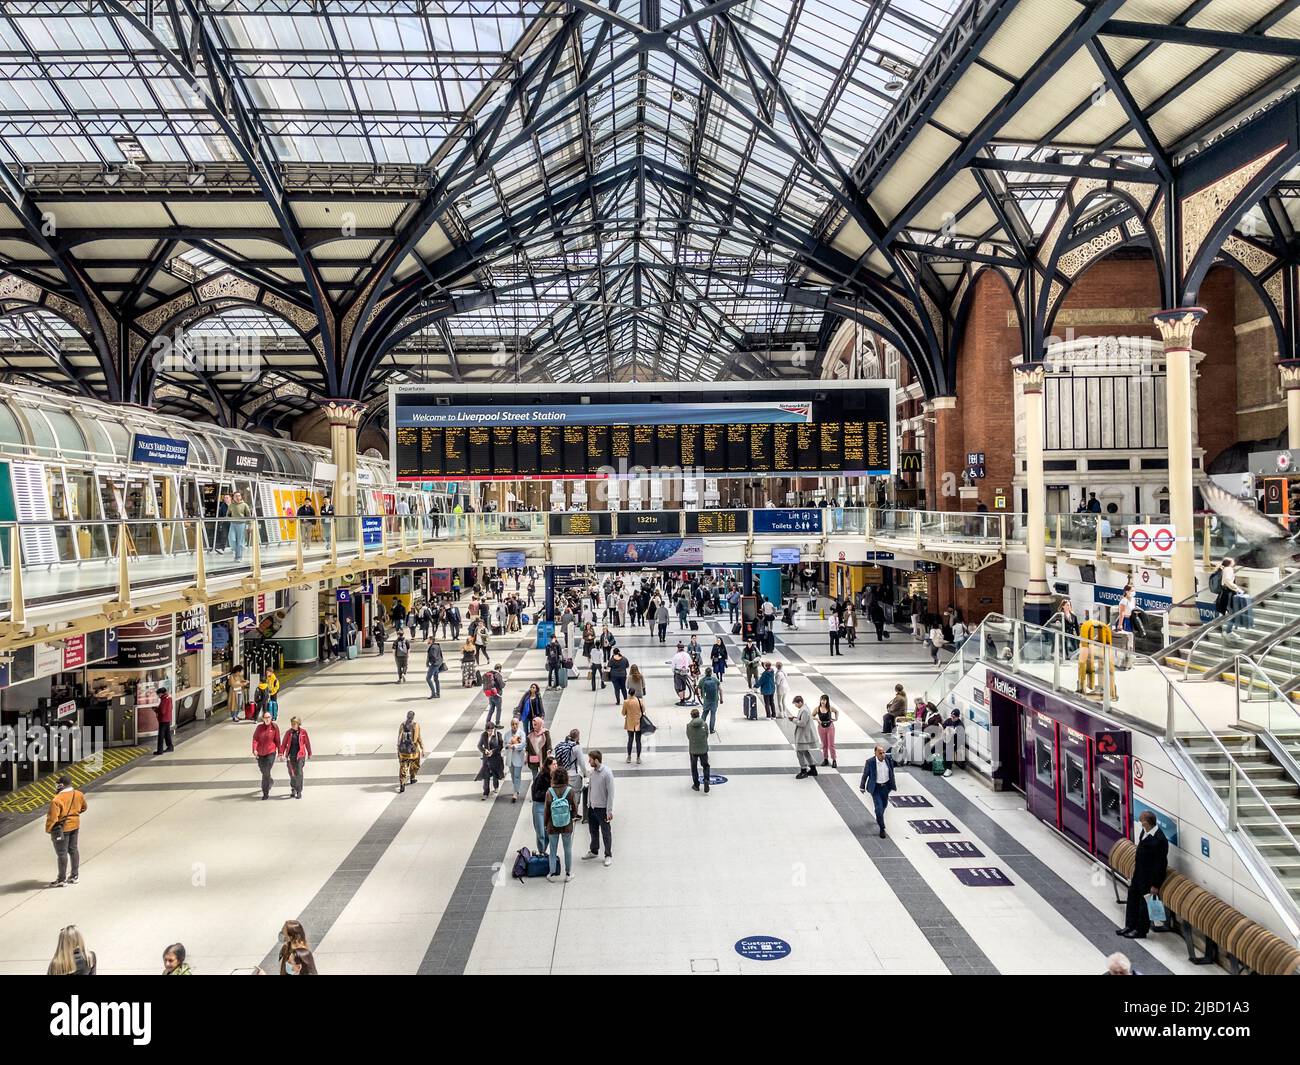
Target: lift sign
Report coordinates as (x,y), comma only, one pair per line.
(763,948)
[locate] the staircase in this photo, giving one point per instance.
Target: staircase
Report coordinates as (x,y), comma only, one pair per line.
(1268,632)
(1271,802)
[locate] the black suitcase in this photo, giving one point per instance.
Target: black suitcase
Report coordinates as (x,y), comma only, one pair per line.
(751,706)
(694,626)
(769,642)
(735,629)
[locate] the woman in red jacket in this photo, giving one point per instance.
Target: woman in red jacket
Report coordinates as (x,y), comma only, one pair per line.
(266,744)
(295,749)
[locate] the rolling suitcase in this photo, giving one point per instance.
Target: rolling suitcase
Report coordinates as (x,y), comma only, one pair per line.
(564,677)
(694,626)
(769,642)
(751,706)
(735,629)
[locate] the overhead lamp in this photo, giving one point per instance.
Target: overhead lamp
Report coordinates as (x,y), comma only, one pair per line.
(894,85)
(901,71)
(131,148)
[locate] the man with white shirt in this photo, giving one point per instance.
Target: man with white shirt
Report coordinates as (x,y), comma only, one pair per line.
(681,663)
(878,778)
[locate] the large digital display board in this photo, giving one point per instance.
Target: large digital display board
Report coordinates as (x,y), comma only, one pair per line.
(818,428)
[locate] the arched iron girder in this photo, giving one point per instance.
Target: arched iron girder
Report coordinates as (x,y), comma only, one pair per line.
(250,143)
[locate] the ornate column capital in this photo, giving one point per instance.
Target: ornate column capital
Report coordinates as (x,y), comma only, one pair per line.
(1177,326)
(1289,372)
(346,412)
(1030,375)
(943,403)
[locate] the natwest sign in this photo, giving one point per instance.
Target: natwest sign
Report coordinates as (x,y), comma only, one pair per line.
(1005,687)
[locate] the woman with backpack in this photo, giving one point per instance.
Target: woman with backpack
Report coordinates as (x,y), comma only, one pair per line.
(410,751)
(558,820)
(401,654)
(541,782)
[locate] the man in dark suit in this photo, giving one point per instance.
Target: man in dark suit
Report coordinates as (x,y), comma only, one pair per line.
(878,778)
(1149,873)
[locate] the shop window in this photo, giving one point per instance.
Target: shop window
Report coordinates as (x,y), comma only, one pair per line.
(1044,764)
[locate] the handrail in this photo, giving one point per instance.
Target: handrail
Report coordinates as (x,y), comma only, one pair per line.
(1193,639)
(1237,774)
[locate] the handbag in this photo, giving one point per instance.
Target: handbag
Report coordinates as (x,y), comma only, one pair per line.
(1156,910)
(57,832)
(648,727)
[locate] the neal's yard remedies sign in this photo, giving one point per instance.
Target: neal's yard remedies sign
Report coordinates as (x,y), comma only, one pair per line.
(160,450)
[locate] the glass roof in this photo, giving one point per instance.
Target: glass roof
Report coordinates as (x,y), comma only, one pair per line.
(649,222)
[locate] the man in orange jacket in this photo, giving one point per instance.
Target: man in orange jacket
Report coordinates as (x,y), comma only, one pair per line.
(63,824)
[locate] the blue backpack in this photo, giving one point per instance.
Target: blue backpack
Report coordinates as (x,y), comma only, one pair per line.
(561,815)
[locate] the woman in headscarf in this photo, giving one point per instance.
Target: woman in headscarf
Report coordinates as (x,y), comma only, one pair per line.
(530,706)
(410,751)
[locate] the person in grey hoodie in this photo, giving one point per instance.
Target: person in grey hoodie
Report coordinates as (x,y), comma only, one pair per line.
(661,621)
(805,739)
(600,807)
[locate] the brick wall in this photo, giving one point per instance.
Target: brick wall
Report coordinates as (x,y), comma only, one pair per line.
(1261,409)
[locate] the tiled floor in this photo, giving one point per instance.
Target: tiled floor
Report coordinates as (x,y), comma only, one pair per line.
(181,848)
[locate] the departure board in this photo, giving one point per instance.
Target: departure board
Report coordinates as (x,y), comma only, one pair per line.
(716,522)
(643,446)
(760,449)
(806,452)
(527,459)
(550,449)
(503,451)
(575,450)
(431,449)
(737,447)
(829,443)
(688,437)
(853,441)
(408,452)
(615,430)
(667,445)
(713,448)
(620,446)
(581,523)
(455,462)
(783,438)
(597,447)
(478,445)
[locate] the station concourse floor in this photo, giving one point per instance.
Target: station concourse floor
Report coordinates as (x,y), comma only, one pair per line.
(180,847)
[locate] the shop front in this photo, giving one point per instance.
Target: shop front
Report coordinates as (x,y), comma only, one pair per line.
(46,705)
(125,687)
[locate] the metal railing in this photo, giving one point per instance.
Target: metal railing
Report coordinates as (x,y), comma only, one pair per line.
(1040,654)
(1186,648)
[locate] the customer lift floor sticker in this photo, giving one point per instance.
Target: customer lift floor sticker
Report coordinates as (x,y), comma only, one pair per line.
(762,948)
(933,826)
(714,780)
(913,801)
(957,848)
(984,876)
